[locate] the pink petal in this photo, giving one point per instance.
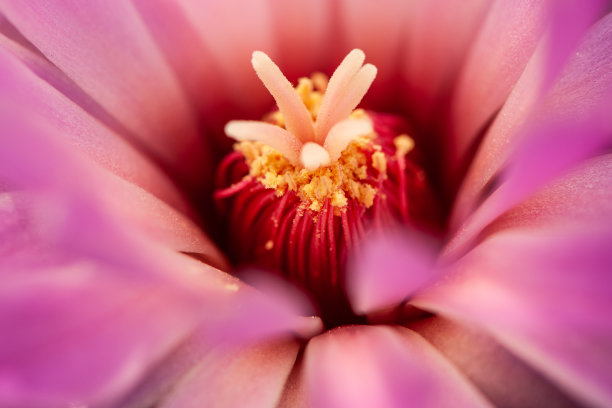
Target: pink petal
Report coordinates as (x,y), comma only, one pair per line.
(30,81)
(388,269)
(76,280)
(104,321)
(438,36)
(105,49)
(502,377)
(268,309)
(362,24)
(221,29)
(369,366)
(178,39)
(302,30)
(546,153)
(580,88)
(78,334)
(251,376)
(584,195)
(497,58)
(97,223)
(545,295)
(35,155)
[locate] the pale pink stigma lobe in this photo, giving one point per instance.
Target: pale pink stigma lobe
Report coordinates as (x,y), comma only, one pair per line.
(346,88)
(297,118)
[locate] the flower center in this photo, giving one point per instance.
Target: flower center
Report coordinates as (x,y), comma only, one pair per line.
(307,184)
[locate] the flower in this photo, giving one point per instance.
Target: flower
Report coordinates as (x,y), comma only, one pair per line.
(113,294)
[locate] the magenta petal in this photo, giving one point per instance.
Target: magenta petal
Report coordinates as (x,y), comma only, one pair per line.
(77,334)
(30,81)
(583,196)
(544,294)
(388,269)
(582,86)
(270,309)
(83,293)
(77,329)
(369,366)
(547,152)
(498,56)
(250,376)
(106,50)
(35,155)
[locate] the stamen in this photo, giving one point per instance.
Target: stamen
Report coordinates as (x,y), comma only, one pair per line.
(297,118)
(343,133)
(314,156)
(274,136)
(336,88)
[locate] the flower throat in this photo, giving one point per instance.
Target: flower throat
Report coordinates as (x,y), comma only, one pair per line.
(304,186)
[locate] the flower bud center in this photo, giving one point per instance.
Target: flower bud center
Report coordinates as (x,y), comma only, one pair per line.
(298,202)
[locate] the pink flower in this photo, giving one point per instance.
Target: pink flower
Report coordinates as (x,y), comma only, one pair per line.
(114,294)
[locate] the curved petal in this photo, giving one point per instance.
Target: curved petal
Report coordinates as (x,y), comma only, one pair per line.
(74,280)
(179,41)
(105,49)
(302,29)
(439,34)
(582,86)
(545,295)
(497,58)
(377,30)
(547,153)
(98,327)
(34,156)
(503,378)
(388,269)
(363,366)
(102,318)
(583,196)
(30,81)
(221,29)
(251,376)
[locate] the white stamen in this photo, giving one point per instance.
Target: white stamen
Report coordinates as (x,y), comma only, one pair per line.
(336,89)
(314,156)
(342,133)
(274,136)
(297,119)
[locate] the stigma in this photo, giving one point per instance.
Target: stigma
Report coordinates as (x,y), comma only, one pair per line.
(312,136)
(306,184)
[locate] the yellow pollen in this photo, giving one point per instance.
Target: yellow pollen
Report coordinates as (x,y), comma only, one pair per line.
(403,144)
(339,182)
(379,162)
(231,287)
